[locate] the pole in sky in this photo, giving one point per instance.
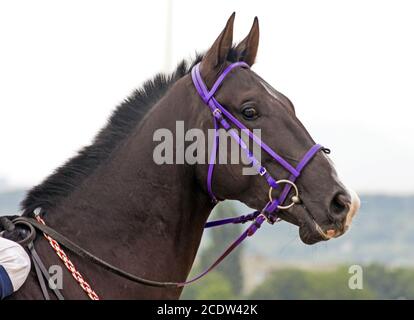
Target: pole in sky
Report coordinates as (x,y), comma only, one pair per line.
(168,37)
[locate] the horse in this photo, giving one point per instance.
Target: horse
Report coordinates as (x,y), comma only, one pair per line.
(148,219)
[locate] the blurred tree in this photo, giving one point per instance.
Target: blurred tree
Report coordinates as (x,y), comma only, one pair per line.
(214,286)
(404,278)
(300,284)
(226,281)
(283,284)
(221,237)
(397,283)
(379,282)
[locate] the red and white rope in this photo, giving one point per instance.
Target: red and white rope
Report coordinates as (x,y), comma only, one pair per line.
(69,265)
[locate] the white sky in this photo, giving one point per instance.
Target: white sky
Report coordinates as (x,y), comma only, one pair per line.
(347,65)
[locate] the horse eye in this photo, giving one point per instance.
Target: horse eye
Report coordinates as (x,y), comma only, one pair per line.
(250,113)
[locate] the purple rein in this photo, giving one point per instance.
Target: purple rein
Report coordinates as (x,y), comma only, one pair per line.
(222,117)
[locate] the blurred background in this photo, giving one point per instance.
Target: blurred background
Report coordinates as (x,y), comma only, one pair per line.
(346,65)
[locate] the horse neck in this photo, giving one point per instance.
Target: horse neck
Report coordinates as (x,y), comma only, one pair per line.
(150,217)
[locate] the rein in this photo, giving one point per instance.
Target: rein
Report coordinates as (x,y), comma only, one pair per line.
(223,118)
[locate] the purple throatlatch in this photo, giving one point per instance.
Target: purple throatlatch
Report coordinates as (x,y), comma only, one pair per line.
(222,117)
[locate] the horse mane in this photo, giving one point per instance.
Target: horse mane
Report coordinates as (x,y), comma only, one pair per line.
(121,123)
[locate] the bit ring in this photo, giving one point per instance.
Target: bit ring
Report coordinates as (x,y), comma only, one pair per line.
(295,198)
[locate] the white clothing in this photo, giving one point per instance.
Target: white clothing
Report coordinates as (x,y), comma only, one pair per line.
(16,262)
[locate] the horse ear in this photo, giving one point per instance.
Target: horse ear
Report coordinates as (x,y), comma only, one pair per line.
(216,56)
(247,49)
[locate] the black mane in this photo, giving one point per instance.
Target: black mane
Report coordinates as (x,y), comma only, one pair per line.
(123,120)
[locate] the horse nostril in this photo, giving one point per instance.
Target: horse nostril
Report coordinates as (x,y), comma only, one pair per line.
(340,203)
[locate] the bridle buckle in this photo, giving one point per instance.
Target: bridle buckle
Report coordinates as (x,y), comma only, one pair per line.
(262,171)
(217,113)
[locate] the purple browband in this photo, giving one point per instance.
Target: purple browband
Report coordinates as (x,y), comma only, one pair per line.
(220,114)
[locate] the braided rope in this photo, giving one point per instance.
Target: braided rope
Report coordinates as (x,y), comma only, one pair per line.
(69,265)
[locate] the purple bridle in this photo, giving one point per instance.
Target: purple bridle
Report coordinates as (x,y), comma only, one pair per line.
(220,114)
(222,117)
